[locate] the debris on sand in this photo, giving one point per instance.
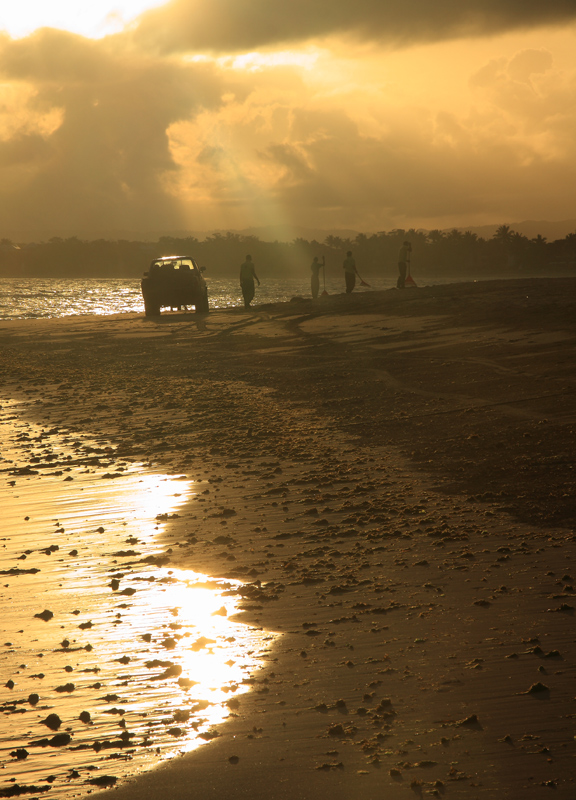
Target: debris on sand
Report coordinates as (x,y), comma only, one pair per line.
(102,780)
(18,789)
(46,615)
(469,722)
(52,721)
(537,688)
(21,753)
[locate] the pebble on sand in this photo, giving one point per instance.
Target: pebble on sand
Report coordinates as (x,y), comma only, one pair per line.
(52,721)
(60,740)
(471,721)
(65,687)
(103,780)
(536,688)
(46,615)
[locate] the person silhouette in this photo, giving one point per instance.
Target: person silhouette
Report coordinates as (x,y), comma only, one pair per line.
(247,278)
(316,266)
(403,262)
(350,272)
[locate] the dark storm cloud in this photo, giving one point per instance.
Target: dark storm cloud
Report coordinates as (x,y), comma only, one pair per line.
(104,163)
(239,25)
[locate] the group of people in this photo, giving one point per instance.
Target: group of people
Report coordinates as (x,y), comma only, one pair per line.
(248,274)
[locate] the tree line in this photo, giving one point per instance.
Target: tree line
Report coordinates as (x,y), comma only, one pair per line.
(452,254)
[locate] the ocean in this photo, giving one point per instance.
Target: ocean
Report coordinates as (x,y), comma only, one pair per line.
(33,298)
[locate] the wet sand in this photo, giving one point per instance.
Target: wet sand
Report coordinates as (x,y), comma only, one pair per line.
(392,476)
(113,660)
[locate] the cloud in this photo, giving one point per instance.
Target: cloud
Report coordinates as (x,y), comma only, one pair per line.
(316,158)
(516,70)
(233,25)
(101,136)
(451,170)
(103,163)
(528,92)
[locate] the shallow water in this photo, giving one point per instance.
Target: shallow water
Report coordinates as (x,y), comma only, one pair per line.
(150,652)
(32,298)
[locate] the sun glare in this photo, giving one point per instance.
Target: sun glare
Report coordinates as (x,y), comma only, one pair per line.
(159,654)
(282,58)
(88,19)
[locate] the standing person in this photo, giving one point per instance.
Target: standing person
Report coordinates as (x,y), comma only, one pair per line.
(350,272)
(315,280)
(403,262)
(247,278)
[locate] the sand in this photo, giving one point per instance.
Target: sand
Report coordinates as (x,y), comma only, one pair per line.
(392,475)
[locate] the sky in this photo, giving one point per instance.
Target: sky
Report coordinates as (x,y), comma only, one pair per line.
(144,116)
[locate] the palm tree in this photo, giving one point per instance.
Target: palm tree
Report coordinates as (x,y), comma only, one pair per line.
(470,238)
(570,245)
(503,234)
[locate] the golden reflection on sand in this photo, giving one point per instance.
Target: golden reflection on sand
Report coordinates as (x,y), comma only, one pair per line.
(150,652)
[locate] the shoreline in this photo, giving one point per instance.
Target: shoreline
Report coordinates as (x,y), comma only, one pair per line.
(100,632)
(396,471)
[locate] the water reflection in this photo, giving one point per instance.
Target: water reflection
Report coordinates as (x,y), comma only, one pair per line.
(139,660)
(32,298)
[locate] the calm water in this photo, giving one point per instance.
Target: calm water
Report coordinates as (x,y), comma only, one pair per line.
(31,298)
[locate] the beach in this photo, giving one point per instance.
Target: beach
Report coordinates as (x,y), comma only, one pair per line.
(389,478)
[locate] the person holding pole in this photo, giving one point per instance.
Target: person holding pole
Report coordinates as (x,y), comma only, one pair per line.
(315,280)
(403,264)
(350,272)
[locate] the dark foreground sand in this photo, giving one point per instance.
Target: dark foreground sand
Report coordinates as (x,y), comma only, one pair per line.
(393,475)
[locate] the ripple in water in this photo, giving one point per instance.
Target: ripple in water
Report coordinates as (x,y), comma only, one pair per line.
(34,299)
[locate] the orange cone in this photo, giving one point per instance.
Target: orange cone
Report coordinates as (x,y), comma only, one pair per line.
(409,279)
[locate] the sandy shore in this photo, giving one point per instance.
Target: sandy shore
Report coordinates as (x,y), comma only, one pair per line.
(392,474)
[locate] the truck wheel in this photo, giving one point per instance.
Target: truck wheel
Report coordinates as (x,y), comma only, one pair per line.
(151,310)
(202,307)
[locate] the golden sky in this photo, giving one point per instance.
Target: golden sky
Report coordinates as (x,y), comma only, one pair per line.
(138,115)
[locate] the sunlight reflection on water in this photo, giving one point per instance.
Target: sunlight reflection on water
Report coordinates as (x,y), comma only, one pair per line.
(32,298)
(150,652)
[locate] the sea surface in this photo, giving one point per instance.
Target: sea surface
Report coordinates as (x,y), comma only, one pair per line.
(31,298)
(34,298)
